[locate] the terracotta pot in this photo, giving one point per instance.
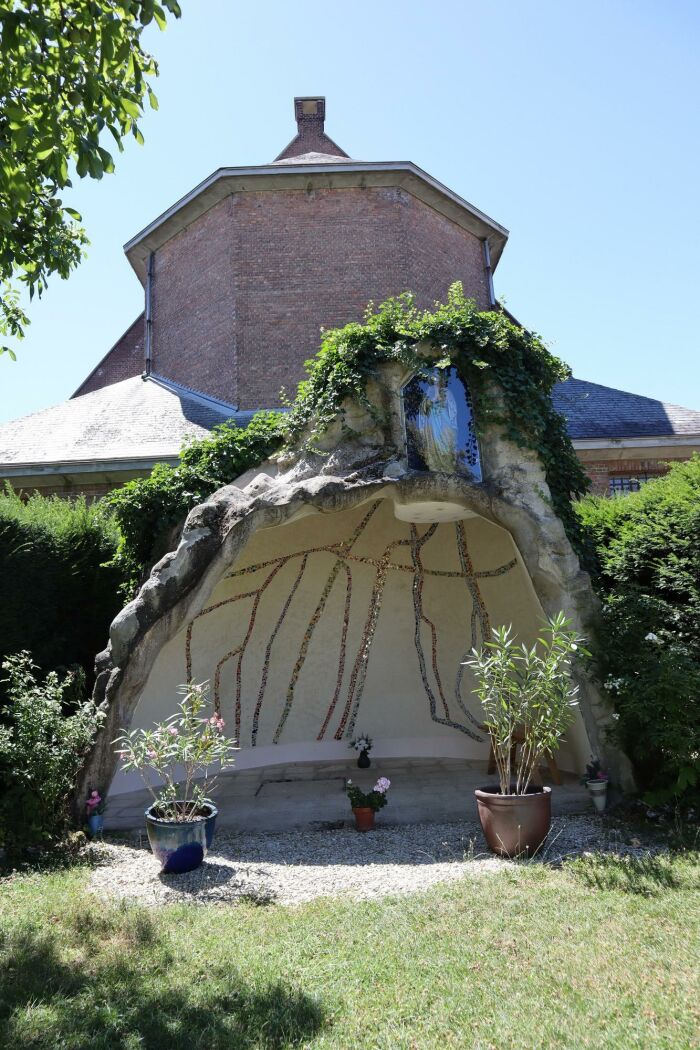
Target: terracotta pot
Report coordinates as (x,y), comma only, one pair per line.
(515,825)
(364,818)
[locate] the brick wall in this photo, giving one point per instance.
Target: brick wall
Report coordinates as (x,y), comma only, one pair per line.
(124,360)
(194,306)
(601,471)
(240,295)
(90,491)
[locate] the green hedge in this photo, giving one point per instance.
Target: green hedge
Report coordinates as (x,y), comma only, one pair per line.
(648,550)
(58,595)
(147,508)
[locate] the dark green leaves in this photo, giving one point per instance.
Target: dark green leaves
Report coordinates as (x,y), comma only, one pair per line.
(68,72)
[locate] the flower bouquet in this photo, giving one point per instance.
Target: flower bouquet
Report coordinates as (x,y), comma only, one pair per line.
(363,745)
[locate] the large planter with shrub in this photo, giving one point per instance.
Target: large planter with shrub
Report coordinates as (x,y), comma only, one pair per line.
(180,845)
(528,699)
(515,825)
(180,823)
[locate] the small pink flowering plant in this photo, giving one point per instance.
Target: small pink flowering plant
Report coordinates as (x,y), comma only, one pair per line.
(186,753)
(594,771)
(95,804)
(374,799)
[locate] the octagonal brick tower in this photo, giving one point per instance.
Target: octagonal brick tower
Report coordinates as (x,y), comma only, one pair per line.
(247,268)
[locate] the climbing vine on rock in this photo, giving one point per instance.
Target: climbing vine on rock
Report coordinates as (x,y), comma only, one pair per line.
(493,354)
(509,371)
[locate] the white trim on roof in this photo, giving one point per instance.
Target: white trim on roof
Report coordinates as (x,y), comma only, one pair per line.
(225,181)
(669,441)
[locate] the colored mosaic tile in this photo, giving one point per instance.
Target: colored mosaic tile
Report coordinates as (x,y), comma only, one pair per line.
(383,566)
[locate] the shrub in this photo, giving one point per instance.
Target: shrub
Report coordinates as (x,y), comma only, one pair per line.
(529,690)
(189,742)
(59,597)
(648,550)
(146,508)
(46,729)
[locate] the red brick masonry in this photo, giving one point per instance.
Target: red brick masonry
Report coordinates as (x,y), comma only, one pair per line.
(240,296)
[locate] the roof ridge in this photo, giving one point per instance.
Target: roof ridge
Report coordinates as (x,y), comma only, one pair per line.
(174,386)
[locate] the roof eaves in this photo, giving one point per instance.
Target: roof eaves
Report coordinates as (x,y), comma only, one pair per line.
(214,188)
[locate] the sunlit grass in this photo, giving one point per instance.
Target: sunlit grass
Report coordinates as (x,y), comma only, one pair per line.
(603,953)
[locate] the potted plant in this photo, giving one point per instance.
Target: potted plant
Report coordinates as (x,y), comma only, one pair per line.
(596,780)
(366,803)
(362,744)
(528,699)
(95,806)
(182,818)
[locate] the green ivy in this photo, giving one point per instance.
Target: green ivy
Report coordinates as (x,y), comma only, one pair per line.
(490,351)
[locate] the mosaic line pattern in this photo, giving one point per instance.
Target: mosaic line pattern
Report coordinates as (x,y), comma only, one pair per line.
(342,569)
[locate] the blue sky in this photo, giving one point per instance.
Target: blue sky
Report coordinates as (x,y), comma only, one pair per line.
(575,125)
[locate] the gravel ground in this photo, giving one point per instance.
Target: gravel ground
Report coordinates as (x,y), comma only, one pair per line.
(298,866)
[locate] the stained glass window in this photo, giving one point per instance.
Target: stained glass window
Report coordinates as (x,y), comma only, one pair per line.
(440,434)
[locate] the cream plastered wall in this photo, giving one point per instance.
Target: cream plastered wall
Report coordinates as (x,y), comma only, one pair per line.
(311,639)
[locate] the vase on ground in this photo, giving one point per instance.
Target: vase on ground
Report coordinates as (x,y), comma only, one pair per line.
(95,824)
(515,825)
(364,818)
(598,790)
(181,845)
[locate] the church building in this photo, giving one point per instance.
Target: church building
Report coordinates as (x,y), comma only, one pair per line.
(239,276)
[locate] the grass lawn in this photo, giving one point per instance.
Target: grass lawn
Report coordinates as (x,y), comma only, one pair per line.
(599,954)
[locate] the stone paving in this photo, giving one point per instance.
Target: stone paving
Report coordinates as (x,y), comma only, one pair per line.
(312,795)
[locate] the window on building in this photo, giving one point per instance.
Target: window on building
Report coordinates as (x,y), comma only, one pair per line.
(440,433)
(628,482)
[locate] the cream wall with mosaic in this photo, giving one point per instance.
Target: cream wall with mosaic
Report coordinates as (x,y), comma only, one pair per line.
(351,622)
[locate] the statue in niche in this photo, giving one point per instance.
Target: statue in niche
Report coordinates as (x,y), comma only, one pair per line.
(440,434)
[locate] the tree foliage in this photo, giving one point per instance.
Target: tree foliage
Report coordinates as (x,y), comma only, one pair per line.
(648,549)
(73,74)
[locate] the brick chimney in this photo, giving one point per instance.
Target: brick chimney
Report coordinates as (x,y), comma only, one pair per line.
(310,114)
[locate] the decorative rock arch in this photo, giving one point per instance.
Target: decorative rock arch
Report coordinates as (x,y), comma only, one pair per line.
(362,462)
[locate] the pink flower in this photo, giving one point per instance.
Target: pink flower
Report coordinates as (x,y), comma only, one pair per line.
(382,785)
(172,730)
(151,754)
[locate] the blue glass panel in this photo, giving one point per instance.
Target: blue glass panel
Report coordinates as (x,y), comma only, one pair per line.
(440,434)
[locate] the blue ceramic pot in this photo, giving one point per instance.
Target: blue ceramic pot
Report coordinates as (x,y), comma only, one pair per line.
(95,824)
(180,846)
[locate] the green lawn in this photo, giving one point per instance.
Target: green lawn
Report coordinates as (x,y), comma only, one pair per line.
(599,954)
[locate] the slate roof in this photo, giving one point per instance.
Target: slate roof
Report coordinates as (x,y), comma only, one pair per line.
(315,158)
(595,411)
(136,419)
(148,420)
